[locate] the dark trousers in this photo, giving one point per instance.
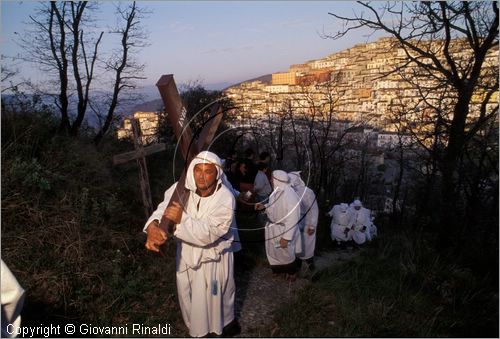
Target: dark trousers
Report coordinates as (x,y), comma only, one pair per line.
(290,268)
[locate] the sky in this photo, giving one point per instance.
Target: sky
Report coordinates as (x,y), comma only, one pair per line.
(214,42)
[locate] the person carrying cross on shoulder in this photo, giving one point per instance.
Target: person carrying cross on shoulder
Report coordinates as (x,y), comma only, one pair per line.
(205,231)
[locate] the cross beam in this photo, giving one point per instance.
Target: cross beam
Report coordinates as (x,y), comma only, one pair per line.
(140,154)
(145,151)
(177,116)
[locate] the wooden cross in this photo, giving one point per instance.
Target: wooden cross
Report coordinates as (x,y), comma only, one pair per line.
(140,154)
(177,116)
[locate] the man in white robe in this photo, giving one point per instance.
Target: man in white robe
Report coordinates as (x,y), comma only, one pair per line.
(308,218)
(342,220)
(282,230)
(360,231)
(204,234)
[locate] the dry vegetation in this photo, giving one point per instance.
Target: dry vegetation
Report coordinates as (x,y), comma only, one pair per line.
(71,230)
(71,233)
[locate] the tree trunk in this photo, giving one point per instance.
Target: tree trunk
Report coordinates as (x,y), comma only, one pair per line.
(109,118)
(82,102)
(62,64)
(449,213)
(396,216)
(118,85)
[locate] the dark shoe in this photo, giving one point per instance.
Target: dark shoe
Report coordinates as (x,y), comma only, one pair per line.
(231,329)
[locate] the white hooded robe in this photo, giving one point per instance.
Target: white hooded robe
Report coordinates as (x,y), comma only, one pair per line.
(361,219)
(342,219)
(283,213)
(309,212)
(204,261)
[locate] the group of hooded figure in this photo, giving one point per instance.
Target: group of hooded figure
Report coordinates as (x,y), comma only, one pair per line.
(207,236)
(351,223)
(290,231)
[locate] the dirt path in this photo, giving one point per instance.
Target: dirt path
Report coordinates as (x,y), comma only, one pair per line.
(259,293)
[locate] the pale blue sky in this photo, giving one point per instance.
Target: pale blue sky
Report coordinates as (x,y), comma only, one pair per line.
(218,41)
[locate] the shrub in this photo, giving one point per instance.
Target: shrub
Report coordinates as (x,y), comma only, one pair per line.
(72,229)
(401,286)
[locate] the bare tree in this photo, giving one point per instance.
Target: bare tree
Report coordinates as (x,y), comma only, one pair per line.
(122,63)
(82,82)
(56,44)
(314,118)
(9,74)
(450,43)
(64,42)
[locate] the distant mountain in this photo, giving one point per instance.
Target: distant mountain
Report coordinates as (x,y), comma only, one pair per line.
(151,101)
(148,106)
(220,86)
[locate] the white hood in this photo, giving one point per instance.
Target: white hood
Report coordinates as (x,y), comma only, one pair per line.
(356,203)
(204,157)
(296,181)
(280,180)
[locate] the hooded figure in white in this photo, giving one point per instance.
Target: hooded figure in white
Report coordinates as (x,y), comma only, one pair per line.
(360,229)
(342,220)
(363,218)
(308,215)
(282,231)
(12,295)
(204,264)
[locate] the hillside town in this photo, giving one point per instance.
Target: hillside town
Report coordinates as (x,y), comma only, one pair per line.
(361,94)
(148,122)
(359,86)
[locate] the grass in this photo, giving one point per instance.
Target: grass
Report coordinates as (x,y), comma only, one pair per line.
(72,230)
(72,235)
(393,291)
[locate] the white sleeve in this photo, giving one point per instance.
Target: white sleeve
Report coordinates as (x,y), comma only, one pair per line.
(292,218)
(351,218)
(207,230)
(312,214)
(162,206)
(365,220)
(12,295)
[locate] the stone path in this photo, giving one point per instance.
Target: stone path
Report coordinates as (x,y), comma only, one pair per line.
(259,293)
